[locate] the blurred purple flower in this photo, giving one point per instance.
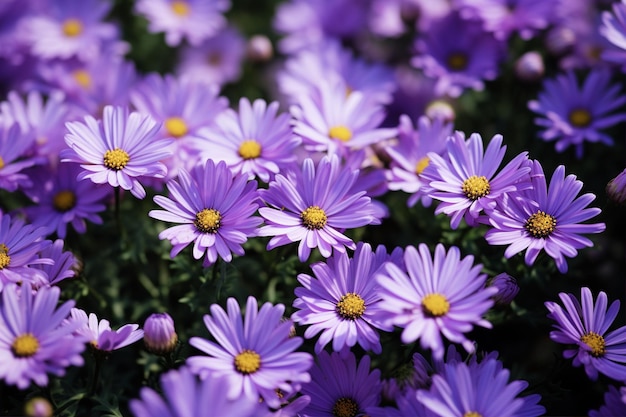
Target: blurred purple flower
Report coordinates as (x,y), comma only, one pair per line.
(616,188)
(99,333)
(15,149)
(64,267)
(614,403)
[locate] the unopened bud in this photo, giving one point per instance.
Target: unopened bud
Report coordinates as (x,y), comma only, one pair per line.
(159,335)
(529,67)
(259,49)
(440,109)
(616,188)
(38,407)
(507,288)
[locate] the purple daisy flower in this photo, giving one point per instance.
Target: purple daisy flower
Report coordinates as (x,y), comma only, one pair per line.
(586,326)
(614,403)
(14,147)
(63,200)
(547,218)
(254,141)
(193,20)
(458,53)
(183,394)
(214,210)
(613,28)
(571,114)
(118,150)
(440,295)
(340,386)
(64,266)
(342,300)
(99,333)
(466,182)
(478,390)
(257,354)
(34,340)
(313,207)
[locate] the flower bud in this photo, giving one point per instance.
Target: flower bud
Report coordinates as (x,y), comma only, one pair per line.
(440,109)
(259,49)
(529,67)
(38,407)
(507,288)
(616,188)
(159,335)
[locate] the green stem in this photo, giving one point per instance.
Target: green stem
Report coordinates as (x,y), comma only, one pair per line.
(96,374)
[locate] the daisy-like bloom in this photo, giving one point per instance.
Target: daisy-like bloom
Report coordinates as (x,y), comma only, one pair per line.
(118,149)
(192,20)
(257,354)
(34,340)
(341,301)
(585,326)
(14,147)
(20,245)
(458,53)
(213,209)
(571,114)
(62,200)
(255,141)
(465,181)
(437,295)
(341,387)
(335,122)
(478,390)
(64,265)
(313,207)
(409,157)
(184,394)
(614,403)
(99,333)
(545,218)
(613,28)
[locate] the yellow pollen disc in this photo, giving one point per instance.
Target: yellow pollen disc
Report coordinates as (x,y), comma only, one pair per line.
(25,345)
(435,305)
(540,224)
(472,414)
(1,163)
(83,78)
(250,149)
(247,362)
(595,342)
(116,159)
(208,220)
(421,165)
(580,117)
(176,127)
(475,187)
(64,200)
(72,28)
(4,248)
(457,61)
(345,407)
(313,218)
(5,260)
(340,132)
(181,8)
(351,306)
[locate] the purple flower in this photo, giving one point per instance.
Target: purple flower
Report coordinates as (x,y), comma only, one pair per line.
(614,404)
(14,146)
(340,386)
(254,141)
(183,394)
(34,340)
(478,390)
(257,354)
(547,218)
(466,182)
(213,209)
(64,266)
(441,295)
(99,333)
(616,188)
(118,150)
(159,335)
(585,326)
(507,288)
(571,114)
(313,207)
(342,300)
(193,20)
(459,54)
(613,28)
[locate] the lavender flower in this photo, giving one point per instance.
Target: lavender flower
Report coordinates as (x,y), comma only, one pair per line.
(614,404)
(159,335)
(14,147)
(64,266)
(613,28)
(507,288)
(99,333)
(616,188)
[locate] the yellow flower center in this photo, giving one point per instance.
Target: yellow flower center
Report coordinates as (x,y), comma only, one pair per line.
(64,200)
(116,159)
(421,165)
(472,414)
(540,224)
(25,345)
(340,132)
(1,163)
(351,306)
(250,149)
(72,28)
(247,362)
(457,61)
(181,8)
(208,220)
(435,305)
(475,187)
(5,259)
(176,127)
(580,117)
(313,218)
(595,342)
(345,407)
(83,78)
